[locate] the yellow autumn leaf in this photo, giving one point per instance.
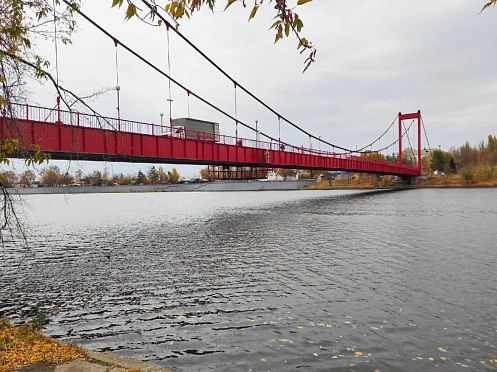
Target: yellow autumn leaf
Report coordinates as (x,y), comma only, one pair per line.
(230,2)
(253,12)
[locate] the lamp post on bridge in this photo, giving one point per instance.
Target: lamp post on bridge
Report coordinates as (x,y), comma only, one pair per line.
(161,123)
(170,116)
(118,90)
(256,134)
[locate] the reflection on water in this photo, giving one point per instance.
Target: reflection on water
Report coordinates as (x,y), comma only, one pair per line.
(395,281)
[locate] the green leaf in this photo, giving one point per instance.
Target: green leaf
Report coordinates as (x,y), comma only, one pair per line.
(275,24)
(279,34)
(302,2)
(253,12)
(287,29)
(298,24)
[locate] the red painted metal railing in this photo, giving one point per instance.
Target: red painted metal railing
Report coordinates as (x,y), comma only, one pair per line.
(53,115)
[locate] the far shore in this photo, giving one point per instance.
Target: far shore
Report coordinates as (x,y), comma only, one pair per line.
(253,185)
(217,186)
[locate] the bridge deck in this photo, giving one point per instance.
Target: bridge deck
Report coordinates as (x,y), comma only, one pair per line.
(71,135)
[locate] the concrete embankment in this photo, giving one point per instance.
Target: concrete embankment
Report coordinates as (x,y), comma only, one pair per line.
(203,187)
(97,362)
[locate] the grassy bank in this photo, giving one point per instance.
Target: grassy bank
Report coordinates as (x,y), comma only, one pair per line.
(23,346)
(361,184)
(458,180)
(433,181)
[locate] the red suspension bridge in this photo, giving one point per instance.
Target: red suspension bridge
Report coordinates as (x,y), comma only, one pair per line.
(76,135)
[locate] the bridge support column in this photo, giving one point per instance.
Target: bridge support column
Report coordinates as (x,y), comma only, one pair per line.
(409,180)
(413,116)
(420,164)
(400,138)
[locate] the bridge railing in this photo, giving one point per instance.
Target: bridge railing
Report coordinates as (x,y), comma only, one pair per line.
(79,119)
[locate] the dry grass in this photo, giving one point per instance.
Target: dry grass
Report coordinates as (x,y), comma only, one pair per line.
(457,180)
(21,346)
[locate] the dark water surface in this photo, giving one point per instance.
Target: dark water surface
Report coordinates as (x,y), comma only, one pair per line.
(331,281)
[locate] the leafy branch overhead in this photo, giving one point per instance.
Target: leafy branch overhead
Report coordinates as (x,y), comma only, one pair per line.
(286,21)
(489,4)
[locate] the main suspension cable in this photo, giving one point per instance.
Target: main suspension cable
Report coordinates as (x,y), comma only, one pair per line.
(150,64)
(208,103)
(154,8)
(397,140)
(426,136)
(379,138)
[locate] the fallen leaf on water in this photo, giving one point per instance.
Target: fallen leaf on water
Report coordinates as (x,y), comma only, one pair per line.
(358,354)
(442,350)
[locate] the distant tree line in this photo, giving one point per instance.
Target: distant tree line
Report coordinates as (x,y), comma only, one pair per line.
(474,163)
(53,176)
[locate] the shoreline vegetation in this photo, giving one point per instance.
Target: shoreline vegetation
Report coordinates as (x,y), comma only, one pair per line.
(24,345)
(432,182)
(25,349)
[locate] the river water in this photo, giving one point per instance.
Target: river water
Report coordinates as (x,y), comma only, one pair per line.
(280,281)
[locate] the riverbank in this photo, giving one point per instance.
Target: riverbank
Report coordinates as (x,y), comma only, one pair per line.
(24,349)
(433,182)
(351,185)
(457,181)
(216,186)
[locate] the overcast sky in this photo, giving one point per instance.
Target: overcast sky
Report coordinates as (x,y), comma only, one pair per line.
(375,58)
